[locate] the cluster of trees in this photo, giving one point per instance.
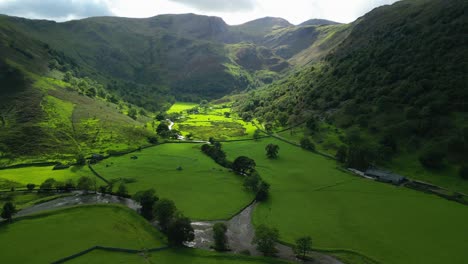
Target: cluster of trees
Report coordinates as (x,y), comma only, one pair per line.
(389,79)
(266,239)
(242,165)
(214,150)
(173,223)
(163,131)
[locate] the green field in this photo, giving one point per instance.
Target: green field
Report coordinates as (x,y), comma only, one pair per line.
(201,189)
(50,236)
(211,122)
(391,224)
(180,107)
(173,256)
(37,175)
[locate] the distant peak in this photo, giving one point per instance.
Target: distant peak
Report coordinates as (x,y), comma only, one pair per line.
(318,22)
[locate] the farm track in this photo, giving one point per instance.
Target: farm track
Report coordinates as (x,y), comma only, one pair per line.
(240,229)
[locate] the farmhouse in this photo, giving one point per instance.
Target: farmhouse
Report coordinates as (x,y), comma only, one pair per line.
(385,176)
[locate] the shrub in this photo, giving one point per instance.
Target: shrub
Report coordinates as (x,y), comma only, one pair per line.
(307,144)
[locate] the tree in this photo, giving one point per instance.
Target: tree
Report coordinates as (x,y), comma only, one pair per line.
(9,210)
(303,246)
(257,134)
(179,231)
(80,160)
(31,186)
(132,113)
(243,165)
(85,183)
(219,236)
(262,191)
(307,144)
(152,140)
(122,191)
(311,124)
(147,199)
(252,181)
(47,185)
(227,114)
(272,151)
(265,239)
(341,154)
(164,211)
(163,130)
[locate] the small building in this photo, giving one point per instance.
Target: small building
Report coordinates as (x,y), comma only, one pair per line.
(385,176)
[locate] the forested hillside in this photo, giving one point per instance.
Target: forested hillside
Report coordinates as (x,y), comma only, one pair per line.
(397,86)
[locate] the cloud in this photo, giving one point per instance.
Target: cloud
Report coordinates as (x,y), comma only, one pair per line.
(55,10)
(219,5)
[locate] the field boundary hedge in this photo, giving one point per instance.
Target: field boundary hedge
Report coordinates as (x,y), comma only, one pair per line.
(110,249)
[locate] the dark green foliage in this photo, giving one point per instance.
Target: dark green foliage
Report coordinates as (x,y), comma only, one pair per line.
(359,157)
(47,185)
(30,186)
(132,113)
(219,236)
(252,181)
(122,191)
(263,191)
(432,159)
(303,246)
(266,239)
(147,200)
(307,144)
(463,172)
(8,211)
(164,211)
(272,151)
(80,160)
(216,153)
(85,183)
(257,134)
(163,130)
(243,165)
(341,154)
(179,231)
(152,140)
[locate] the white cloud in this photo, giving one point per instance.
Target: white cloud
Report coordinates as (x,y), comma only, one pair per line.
(233,11)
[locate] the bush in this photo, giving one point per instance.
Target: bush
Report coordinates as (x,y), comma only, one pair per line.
(219,236)
(30,186)
(307,144)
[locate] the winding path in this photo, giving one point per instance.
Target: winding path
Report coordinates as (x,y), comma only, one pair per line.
(240,229)
(240,234)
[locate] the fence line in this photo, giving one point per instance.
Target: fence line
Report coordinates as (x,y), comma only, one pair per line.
(110,249)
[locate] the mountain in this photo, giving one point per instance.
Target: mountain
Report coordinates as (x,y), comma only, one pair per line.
(90,83)
(186,53)
(318,22)
(396,87)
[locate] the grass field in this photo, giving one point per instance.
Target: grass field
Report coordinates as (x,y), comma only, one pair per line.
(20,177)
(173,256)
(201,190)
(391,224)
(180,107)
(49,236)
(211,122)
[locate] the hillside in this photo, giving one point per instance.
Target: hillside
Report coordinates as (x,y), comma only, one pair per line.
(183,54)
(394,92)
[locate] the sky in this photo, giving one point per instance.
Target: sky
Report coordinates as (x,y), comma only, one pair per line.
(232,11)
